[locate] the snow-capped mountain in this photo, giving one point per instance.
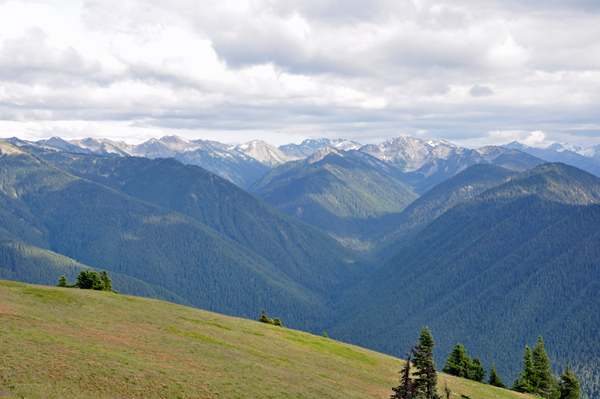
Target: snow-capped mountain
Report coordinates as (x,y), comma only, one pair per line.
(263,152)
(103,146)
(586,158)
(410,153)
(56,143)
(310,146)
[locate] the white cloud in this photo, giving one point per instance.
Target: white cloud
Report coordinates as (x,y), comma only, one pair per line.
(296,69)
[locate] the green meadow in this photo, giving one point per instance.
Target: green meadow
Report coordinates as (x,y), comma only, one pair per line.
(70,343)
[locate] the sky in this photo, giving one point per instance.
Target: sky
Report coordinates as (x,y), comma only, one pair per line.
(473,72)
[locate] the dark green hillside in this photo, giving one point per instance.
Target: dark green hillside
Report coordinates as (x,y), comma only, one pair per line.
(104,229)
(335,191)
(305,254)
(398,230)
(519,260)
(26,263)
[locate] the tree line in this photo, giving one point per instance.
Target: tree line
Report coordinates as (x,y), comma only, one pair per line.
(536,377)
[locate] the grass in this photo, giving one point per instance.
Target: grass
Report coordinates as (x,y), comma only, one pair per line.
(57,343)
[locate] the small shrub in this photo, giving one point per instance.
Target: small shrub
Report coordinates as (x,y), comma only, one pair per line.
(62,282)
(265,319)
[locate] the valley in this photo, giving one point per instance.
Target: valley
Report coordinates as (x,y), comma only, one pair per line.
(489,247)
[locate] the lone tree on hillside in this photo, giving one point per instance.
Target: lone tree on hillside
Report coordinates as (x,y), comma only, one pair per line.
(265,319)
(89,280)
(62,282)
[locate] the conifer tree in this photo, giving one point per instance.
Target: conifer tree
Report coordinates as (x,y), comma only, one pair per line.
(106,281)
(263,317)
(495,378)
(425,383)
(527,381)
(405,390)
(544,382)
(62,282)
(456,362)
(569,385)
(536,377)
(476,370)
(460,365)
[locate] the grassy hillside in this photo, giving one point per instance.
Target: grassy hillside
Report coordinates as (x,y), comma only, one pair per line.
(519,260)
(57,343)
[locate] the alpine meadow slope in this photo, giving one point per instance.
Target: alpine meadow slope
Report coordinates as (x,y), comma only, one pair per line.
(71,343)
(493,273)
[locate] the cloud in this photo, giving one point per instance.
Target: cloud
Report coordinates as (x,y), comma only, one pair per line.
(301,68)
(481,91)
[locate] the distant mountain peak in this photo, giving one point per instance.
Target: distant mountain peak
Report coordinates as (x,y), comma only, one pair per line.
(515,145)
(263,152)
(322,153)
(310,146)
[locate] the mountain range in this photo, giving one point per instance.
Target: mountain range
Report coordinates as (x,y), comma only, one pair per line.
(503,248)
(421,164)
(176,227)
(586,158)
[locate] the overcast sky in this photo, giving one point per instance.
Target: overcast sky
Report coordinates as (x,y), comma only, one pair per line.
(473,72)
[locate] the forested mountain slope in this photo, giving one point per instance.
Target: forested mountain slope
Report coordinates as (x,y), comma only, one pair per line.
(519,260)
(305,254)
(392,235)
(27,263)
(105,229)
(335,191)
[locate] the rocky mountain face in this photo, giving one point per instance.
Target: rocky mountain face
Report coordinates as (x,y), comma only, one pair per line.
(410,153)
(426,163)
(242,165)
(310,146)
(263,152)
